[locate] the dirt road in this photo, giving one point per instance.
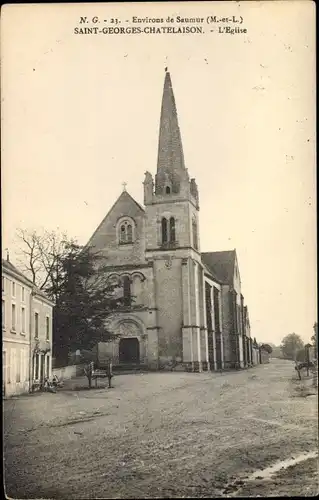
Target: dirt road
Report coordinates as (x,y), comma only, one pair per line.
(164,435)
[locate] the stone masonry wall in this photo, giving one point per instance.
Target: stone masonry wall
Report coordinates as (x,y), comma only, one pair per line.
(169,303)
(105,239)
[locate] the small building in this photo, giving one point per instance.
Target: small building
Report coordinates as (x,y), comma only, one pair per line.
(41,336)
(255,353)
(264,355)
(26,332)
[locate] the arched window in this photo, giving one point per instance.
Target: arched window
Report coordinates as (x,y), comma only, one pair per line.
(127,291)
(126,231)
(123,234)
(172,229)
(195,237)
(168,190)
(164,230)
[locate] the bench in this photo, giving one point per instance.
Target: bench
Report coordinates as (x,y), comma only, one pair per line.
(98,373)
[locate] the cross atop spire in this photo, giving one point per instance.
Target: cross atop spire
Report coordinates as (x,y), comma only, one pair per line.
(124,184)
(170,163)
(166,62)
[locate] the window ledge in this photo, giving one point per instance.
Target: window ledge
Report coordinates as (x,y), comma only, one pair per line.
(170,244)
(125,243)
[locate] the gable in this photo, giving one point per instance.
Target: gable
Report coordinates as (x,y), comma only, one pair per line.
(11,270)
(106,239)
(236,278)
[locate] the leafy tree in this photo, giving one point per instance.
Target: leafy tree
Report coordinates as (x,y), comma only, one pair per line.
(290,345)
(84,299)
(74,278)
(266,348)
(39,255)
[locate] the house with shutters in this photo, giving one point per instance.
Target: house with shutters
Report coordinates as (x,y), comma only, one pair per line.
(26,332)
(184,309)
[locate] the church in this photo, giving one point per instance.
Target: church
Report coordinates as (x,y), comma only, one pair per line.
(183,309)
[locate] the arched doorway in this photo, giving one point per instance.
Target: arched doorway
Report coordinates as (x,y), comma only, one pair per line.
(129,350)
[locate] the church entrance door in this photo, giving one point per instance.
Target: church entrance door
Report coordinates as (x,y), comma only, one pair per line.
(129,350)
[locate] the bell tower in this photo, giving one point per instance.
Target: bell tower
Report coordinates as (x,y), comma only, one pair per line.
(172,244)
(173,194)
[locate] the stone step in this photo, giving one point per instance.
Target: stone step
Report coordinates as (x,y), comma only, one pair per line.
(134,367)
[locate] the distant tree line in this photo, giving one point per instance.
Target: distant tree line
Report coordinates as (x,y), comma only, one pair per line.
(292,346)
(314,338)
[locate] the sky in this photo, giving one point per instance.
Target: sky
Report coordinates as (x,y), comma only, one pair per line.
(80,116)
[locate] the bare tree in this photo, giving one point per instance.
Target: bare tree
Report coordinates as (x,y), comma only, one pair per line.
(39,255)
(29,254)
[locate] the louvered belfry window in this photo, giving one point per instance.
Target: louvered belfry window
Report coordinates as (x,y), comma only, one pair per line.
(126,232)
(164,230)
(168,230)
(172,230)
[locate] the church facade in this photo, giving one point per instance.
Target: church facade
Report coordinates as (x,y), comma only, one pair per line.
(183,309)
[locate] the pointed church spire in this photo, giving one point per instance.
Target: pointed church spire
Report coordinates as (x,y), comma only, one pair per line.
(170,164)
